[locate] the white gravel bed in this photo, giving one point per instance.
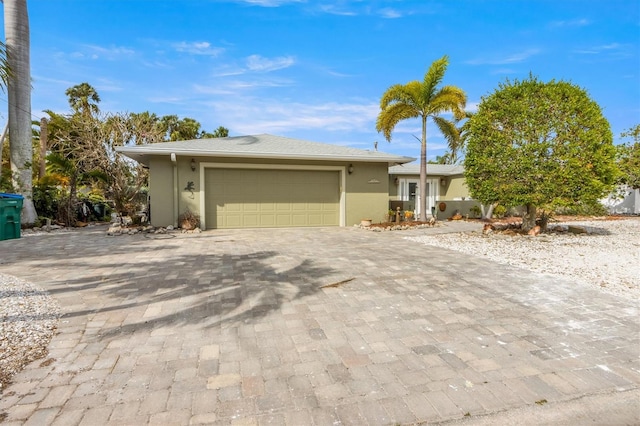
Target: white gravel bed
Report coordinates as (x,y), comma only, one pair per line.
(28,320)
(607,257)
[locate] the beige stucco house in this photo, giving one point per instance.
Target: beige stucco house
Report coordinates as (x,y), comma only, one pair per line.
(264,181)
(447,192)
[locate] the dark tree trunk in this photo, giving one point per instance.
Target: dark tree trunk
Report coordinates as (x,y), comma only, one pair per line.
(529,218)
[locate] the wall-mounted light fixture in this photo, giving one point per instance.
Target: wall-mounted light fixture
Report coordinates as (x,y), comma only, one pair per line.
(443,181)
(396,181)
(350,169)
(193,165)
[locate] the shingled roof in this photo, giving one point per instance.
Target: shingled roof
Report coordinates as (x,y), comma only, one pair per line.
(263,146)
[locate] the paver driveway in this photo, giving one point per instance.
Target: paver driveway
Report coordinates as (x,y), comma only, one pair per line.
(235,327)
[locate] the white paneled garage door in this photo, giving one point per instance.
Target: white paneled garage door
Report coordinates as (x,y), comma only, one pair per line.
(266,198)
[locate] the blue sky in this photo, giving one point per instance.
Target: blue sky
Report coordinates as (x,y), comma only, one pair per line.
(315,70)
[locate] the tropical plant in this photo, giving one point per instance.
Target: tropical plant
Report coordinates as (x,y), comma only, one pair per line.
(47,196)
(5,71)
(16,26)
(180,129)
(420,100)
(69,171)
(83,99)
(475,211)
(537,144)
(628,159)
(455,133)
(220,132)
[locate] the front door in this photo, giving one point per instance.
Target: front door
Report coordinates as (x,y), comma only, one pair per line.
(410,194)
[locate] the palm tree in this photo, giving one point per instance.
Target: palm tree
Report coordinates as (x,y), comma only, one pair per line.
(16,26)
(83,99)
(5,71)
(455,135)
(420,99)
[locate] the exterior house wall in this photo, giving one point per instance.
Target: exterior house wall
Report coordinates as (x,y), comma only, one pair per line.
(394,189)
(456,198)
(366,191)
(455,188)
(161,191)
(454,194)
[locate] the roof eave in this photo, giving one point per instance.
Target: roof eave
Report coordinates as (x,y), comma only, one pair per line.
(143,156)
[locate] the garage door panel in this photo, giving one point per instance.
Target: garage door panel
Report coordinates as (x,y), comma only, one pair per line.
(267,220)
(240,198)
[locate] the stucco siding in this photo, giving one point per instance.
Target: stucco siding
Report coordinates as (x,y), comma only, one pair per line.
(161,191)
(365,192)
(455,188)
(367,195)
(188,185)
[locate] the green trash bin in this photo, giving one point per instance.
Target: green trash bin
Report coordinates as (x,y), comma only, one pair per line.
(10,209)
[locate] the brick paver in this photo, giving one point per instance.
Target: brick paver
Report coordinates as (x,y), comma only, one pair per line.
(239,327)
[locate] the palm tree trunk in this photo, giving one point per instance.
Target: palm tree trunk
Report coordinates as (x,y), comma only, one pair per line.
(423,171)
(16,25)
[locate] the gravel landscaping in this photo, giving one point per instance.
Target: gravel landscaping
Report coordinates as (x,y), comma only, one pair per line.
(606,257)
(28,319)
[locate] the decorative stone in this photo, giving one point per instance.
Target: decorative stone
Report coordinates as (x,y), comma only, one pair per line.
(534,231)
(576,229)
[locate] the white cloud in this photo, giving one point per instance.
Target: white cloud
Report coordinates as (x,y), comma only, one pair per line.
(110,53)
(253,115)
(198,48)
(334,10)
(599,49)
(390,13)
(231,87)
(509,59)
(167,100)
(107,85)
(258,63)
(270,3)
(228,70)
(580,22)
(500,71)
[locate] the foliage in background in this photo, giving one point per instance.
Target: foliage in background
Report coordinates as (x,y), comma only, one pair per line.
(82,153)
(539,144)
(455,132)
(628,158)
(47,194)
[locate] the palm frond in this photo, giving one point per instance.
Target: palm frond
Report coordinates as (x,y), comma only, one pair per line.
(433,77)
(59,164)
(392,115)
(398,93)
(5,70)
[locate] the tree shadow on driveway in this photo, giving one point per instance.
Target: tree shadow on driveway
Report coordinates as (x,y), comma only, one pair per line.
(142,284)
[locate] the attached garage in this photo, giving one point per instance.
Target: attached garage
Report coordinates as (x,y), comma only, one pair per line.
(264,181)
(270,198)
